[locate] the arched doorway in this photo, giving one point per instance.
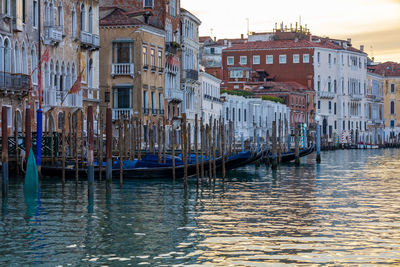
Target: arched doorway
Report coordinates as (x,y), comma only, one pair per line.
(325,127)
(18,121)
(51,126)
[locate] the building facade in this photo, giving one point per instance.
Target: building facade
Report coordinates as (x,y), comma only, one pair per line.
(253,117)
(19,44)
(190,65)
(132,73)
(211,104)
(375,109)
(70,32)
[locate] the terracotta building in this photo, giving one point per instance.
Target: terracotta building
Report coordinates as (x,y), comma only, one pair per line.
(132,73)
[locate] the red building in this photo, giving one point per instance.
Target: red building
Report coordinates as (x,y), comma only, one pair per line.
(278,60)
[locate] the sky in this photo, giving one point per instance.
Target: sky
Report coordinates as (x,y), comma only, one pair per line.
(372,23)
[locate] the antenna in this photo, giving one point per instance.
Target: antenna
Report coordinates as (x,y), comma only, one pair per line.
(248,26)
(211,32)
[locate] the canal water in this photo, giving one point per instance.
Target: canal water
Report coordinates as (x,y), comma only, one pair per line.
(345,211)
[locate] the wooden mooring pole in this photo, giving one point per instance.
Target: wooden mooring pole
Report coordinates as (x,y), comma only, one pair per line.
(109,147)
(4,151)
(274,161)
(90,152)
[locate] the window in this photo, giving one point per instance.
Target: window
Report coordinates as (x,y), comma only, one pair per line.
(6,7)
(148,3)
(230,60)
(23,11)
(330,106)
(392,123)
(319,58)
(245,115)
(256,60)
(160,101)
(160,59)
(236,74)
(172,8)
(243,60)
(90,20)
(306,58)
(270,59)
(392,90)
(35,14)
(335,125)
(153,102)
(121,98)
(145,99)
(392,108)
(335,86)
(83,17)
(145,56)
(329,59)
(212,50)
(152,57)
(334,109)
(296,59)
(73,18)
(329,83)
(319,104)
(319,83)
(61,14)
(123,52)
(282,59)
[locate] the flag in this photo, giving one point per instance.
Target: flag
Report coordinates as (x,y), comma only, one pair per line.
(76,88)
(45,57)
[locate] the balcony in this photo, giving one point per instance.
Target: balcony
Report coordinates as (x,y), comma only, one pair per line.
(53,34)
(356,97)
(326,95)
(123,69)
(146,111)
(14,83)
(153,68)
(190,75)
(90,41)
(161,111)
(172,47)
(175,96)
(120,113)
(154,111)
(160,70)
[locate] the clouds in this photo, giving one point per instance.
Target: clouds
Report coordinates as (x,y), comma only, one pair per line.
(370,22)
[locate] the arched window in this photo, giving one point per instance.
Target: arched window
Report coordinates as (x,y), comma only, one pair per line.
(60,14)
(7,56)
(90,20)
(73,16)
(17,59)
(90,74)
(83,17)
(34,64)
(335,86)
(62,79)
(51,14)
(392,107)
(24,61)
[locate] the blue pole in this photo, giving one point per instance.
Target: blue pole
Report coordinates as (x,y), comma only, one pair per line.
(39,126)
(318,143)
(242,141)
(289,139)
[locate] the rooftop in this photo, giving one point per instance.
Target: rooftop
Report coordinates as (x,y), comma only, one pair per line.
(387,69)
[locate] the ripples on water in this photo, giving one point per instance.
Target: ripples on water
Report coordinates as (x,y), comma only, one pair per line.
(345,211)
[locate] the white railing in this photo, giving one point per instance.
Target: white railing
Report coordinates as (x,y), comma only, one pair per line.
(90,39)
(175,94)
(123,69)
(122,113)
(356,97)
(328,95)
(53,33)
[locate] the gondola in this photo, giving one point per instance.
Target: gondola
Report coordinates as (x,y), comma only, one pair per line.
(291,156)
(241,159)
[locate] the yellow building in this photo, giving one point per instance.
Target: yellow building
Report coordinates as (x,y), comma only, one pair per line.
(390,73)
(132,70)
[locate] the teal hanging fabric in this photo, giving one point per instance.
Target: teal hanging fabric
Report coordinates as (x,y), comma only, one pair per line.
(31,176)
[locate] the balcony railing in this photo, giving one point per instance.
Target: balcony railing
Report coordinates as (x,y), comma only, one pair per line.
(90,40)
(356,97)
(14,81)
(191,75)
(161,111)
(146,111)
(326,95)
(154,111)
(175,95)
(172,47)
(123,69)
(119,113)
(53,34)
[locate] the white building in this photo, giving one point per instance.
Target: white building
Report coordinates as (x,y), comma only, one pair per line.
(211,104)
(375,111)
(190,65)
(340,75)
(253,116)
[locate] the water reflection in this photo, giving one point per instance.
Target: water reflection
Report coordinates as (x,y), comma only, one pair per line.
(342,212)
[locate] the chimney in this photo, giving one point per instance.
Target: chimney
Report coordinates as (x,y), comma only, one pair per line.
(362,48)
(349,41)
(242,36)
(215,39)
